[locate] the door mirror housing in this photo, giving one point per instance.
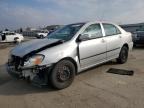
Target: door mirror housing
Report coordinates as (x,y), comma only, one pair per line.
(83,37)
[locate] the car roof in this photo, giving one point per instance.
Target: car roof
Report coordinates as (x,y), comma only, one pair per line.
(91,22)
(7,32)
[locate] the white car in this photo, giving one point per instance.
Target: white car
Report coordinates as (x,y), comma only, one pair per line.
(7,36)
(42,34)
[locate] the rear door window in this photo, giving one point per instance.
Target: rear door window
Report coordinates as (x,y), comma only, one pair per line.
(110,29)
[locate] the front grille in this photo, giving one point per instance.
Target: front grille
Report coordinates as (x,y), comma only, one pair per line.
(16,62)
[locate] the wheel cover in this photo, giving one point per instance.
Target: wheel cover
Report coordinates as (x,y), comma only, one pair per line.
(64,73)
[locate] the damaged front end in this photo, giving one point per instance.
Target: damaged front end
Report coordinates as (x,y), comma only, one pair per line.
(38,75)
(25,62)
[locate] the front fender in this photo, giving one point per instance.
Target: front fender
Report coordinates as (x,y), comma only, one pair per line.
(55,54)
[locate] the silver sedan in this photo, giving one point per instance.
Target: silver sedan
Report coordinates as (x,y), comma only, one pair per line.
(68,51)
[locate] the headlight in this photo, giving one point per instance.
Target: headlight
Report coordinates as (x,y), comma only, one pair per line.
(34,60)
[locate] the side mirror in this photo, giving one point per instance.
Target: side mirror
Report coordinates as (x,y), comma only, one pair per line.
(83,37)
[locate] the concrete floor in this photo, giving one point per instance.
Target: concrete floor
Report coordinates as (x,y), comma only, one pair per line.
(93,88)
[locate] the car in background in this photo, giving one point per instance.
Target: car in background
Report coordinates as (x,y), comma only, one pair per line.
(42,34)
(0,37)
(138,38)
(7,36)
(69,51)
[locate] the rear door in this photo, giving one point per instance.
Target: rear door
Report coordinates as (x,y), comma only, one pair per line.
(93,50)
(113,37)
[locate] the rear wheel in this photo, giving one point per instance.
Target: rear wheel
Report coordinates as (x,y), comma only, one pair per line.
(63,74)
(123,56)
(16,40)
(41,36)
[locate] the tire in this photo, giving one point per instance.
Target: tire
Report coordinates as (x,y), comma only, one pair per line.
(16,40)
(41,36)
(123,56)
(63,74)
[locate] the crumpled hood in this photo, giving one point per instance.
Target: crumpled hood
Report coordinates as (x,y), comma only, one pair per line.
(33,46)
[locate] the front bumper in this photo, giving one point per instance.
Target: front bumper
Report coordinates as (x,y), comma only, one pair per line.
(13,73)
(38,75)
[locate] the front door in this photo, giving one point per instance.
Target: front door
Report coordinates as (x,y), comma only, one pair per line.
(93,50)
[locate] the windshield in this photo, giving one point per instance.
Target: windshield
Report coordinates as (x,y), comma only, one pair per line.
(67,32)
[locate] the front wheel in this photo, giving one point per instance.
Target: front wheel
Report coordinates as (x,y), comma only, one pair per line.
(123,56)
(17,40)
(63,74)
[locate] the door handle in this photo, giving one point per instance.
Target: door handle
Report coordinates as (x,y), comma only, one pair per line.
(103,41)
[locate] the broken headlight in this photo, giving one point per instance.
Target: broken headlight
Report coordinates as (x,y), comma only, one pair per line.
(34,60)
